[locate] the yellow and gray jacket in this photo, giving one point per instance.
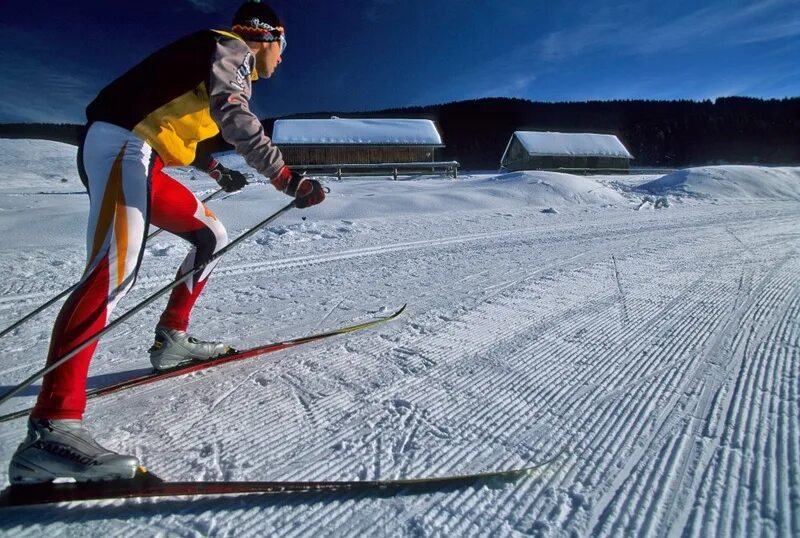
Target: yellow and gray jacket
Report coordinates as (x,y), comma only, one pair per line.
(189,91)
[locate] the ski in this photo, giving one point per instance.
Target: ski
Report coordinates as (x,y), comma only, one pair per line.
(146,484)
(231,357)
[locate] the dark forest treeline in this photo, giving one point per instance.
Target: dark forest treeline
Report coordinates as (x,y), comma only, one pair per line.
(59,132)
(658,133)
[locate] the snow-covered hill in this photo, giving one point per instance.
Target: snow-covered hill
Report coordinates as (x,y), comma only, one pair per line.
(731,182)
(662,348)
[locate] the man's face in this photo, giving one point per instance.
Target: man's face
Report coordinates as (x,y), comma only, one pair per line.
(268,57)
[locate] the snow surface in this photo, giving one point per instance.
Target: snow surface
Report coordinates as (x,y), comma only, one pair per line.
(356,131)
(574,144)
(660,347)
(744,182)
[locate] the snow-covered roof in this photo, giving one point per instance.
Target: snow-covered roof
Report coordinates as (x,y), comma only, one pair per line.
(574,144)
(356,131)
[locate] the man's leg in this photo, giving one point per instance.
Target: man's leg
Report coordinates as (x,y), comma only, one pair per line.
(117,166)
(177,210)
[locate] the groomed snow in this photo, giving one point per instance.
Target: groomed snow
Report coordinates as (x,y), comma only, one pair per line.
(661,348)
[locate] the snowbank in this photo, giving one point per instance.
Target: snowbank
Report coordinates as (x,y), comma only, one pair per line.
(38,166)
(370,197)
(555,188)
(730,182)
(379,197)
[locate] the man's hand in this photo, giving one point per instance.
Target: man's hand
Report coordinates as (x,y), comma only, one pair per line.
(306,192)
(309,193)
(229,180)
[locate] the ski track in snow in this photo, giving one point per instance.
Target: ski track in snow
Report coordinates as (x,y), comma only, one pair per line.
(661,349)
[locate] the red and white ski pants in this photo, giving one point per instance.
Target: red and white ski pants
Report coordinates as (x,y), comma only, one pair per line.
(128,190)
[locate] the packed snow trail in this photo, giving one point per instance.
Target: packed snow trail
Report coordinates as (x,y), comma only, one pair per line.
(662,347)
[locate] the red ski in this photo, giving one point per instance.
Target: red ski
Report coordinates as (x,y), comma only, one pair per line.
(202,365)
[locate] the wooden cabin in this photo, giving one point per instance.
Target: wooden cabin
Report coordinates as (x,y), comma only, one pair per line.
(356,141)
(566,152)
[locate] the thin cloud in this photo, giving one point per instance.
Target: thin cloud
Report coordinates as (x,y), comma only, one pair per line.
(771,31)
(613,34)
(767,81)
(512,73)
(717,25)
(204,6)
(514,86)
(723,26)
(563,44)
(61,94)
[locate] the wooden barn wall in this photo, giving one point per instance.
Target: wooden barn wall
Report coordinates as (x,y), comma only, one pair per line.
(554,162)
(309,155)
(515,154)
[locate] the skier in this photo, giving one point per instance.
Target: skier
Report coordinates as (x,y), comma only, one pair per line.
(151,117)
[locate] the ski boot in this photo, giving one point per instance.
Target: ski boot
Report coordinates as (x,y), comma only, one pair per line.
(65,449)
(174,348)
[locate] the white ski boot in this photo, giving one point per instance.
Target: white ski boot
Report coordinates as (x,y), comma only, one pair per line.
(65,449)
(175,348)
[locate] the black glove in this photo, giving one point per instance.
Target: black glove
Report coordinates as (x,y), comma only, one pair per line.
(229,180)
(306,192)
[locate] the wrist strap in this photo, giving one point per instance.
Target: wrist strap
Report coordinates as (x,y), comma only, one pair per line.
(282,179)
(294,184)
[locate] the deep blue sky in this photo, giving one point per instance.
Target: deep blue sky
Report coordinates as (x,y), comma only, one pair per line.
(351,55)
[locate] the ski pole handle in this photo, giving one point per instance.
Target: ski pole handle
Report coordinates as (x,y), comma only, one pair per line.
(174,284)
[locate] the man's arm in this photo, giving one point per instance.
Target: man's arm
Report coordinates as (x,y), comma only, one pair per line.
(204,162)
(229,89)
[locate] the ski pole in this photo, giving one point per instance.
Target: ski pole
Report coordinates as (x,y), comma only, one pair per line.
(174,284)
(69,290)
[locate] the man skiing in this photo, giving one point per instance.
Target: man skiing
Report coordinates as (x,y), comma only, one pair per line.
(151,117)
